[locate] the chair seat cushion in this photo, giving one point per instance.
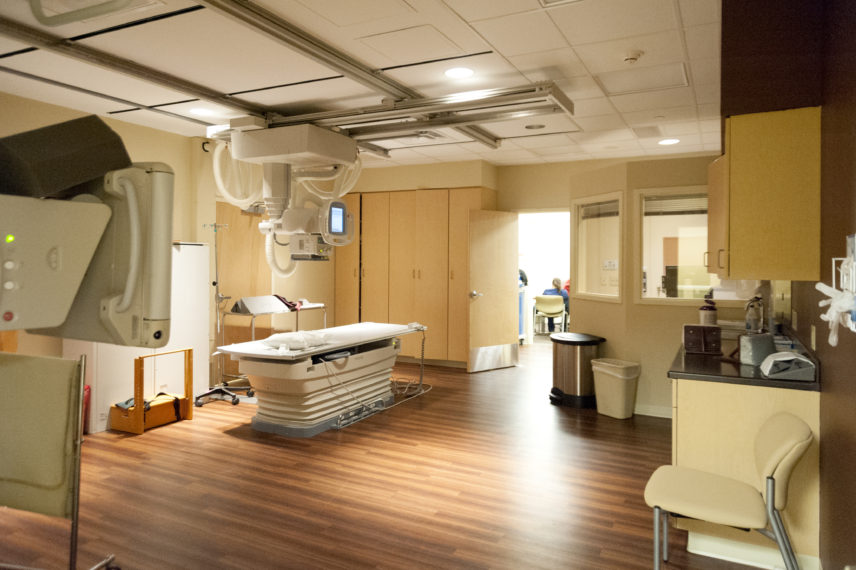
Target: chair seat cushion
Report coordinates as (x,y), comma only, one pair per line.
(706,496)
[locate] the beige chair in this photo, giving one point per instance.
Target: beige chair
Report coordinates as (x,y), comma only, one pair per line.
(550,306)
(40,437)
(680,491)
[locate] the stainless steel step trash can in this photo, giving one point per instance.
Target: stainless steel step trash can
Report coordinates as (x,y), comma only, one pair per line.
(573,383)
(615,384)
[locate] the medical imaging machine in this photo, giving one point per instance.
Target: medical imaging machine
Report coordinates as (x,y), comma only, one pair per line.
(86,234)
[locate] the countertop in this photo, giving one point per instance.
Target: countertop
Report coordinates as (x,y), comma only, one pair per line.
(710,368)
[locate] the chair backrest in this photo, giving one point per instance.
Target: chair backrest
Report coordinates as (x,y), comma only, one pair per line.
(40,426)
(549,304)
(779,445)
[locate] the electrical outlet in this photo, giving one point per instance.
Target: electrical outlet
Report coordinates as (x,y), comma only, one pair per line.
(794,320)
(163,387)
(813,338)
(102,416)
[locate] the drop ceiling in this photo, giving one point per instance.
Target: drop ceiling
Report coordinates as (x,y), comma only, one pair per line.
(636,71)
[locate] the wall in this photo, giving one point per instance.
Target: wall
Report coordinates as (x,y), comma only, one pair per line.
(648,334)
(838,219)
(143,145)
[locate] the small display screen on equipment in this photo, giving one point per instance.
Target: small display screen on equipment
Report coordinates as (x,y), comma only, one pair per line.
(337,218)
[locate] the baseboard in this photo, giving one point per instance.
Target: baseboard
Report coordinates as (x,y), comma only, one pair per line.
(656,411)
(741,553)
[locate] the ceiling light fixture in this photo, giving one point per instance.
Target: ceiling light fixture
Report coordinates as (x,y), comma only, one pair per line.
(459,72)
(667,142)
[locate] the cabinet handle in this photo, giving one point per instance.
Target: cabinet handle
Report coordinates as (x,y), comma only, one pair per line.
(705,258)
(719,258)
(414,274)
(419,273)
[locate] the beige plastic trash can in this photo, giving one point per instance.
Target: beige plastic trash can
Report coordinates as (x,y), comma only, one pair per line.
(615,386)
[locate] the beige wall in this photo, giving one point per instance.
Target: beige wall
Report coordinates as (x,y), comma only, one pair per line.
(647,334)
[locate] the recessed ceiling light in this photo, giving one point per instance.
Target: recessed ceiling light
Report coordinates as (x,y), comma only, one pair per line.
(459,72)
(534,127)
(667,142)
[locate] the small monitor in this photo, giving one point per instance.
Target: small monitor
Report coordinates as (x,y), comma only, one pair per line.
(337,225)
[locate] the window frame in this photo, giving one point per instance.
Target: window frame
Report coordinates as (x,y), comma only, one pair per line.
(576,206)
(638,213)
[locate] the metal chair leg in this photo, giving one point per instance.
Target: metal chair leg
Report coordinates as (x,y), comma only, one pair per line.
(779,532)
(666,536)
(657,518)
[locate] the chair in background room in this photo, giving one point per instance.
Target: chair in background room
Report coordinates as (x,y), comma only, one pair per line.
(42,431)
(550,306)
(685,492)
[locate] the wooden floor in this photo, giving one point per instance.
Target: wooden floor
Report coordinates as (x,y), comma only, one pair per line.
(480,472)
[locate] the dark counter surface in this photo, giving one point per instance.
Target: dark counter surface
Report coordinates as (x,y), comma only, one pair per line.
(718,369)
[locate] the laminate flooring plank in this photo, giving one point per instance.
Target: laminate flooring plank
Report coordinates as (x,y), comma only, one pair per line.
(481,472)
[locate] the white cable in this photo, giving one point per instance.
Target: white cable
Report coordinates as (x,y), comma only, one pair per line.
(344,182)
(134,249)
(229,173)
(270,253)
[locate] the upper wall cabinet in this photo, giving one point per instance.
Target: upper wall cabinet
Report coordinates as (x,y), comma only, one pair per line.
(764,198)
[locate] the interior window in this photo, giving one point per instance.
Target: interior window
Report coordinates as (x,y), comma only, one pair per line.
(597,248)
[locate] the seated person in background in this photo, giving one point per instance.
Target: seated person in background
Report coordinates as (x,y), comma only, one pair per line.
(556,290)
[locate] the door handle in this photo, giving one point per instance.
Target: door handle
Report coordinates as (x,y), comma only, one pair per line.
(474,294)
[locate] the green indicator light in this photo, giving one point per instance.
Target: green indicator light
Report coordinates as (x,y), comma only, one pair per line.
(10,238)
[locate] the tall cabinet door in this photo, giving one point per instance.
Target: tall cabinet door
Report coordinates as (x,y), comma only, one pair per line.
(347,267)
(418,269)
(374,281)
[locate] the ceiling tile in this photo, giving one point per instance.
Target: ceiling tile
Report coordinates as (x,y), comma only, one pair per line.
(517,128)
(521,34)
(581,88)
(709,111)
(541,141)
(39,91)
(648,78)
(554,65)
(350,13)
(703,41)
(705,71)
(680,128)
(73,72)
(601,123)
(657,49)
(592,107)
(474,10)
(332,94)
(490,70)
(163,122)
(698,12)
(236,60)
(661,116)
(20,12)
(707,94)
(667,98)
(420,43)
(587,22)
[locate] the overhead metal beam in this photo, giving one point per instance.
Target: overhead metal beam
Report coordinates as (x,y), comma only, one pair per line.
(392,130)
(68,48)
(263,20)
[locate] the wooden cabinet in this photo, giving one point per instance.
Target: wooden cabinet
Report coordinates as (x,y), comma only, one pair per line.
(764,198)
(374,277)
(346,305)
(418,268)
